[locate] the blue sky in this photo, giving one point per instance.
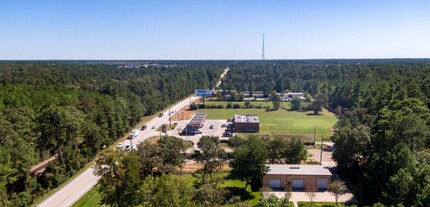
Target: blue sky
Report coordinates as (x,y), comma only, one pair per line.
(218,29)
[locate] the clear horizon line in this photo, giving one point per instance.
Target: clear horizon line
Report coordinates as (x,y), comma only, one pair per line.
(210,59)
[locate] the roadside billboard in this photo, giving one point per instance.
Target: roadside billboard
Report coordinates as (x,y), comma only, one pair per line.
(203,92)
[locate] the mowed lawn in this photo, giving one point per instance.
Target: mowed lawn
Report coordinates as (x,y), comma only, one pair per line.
(283,122)
(90,199)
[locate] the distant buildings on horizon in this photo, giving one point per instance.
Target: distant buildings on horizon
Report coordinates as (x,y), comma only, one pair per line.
(145,65)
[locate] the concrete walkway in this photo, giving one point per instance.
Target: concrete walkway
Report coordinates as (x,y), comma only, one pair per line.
(319,197)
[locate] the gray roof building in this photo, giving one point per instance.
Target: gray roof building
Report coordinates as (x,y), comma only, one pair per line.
(298,170)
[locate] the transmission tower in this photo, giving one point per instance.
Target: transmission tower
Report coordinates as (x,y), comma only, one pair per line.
(262,54)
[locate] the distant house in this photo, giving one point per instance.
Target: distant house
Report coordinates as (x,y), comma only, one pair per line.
(293,95)
(246,123)
(297,177)
(258,94)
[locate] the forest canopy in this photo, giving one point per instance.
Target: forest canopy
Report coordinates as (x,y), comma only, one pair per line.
(74,109)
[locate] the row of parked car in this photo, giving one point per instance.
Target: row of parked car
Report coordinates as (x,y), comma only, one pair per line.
(126,147)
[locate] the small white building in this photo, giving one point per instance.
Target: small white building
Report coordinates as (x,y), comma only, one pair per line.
(292,95)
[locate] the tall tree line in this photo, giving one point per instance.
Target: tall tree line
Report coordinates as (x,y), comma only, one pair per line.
(74,109)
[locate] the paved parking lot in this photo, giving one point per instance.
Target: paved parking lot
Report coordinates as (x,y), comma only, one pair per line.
(320,197)
(206,130)
(326,157)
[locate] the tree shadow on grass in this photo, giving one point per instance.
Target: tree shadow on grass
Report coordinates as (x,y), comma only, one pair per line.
(233,191)
(312,114)
(231,176)
(255,184)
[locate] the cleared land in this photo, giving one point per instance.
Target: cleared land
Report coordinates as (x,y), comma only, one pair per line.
(283,122)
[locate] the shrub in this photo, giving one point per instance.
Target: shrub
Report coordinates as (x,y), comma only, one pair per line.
(194,106)
(228,105)
(247,104)
(211,106)
(235,141)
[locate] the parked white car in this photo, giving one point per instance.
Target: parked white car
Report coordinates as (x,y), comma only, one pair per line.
(134,133)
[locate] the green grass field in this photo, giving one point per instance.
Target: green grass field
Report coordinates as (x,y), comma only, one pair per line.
(90,199)
(282,122)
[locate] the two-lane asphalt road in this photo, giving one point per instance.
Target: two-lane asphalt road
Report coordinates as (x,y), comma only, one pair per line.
(80,185)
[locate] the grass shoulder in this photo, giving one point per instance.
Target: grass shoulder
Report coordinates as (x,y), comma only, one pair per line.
(91,199)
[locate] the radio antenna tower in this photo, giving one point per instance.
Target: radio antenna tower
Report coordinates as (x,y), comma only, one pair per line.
(262,54)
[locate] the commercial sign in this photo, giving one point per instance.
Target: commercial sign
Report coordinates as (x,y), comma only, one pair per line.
(164,128)
(203,92)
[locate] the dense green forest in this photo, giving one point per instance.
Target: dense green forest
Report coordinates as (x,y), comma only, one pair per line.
(383,136)
(74,109)
(77,108)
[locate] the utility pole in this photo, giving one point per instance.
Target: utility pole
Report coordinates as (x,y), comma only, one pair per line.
(186,132)
(322,138)
(170,119)
(315,129)
(262,54)
(131,143)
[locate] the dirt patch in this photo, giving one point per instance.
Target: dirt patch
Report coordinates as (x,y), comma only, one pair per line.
(193,167)
(185,113)
(153,140)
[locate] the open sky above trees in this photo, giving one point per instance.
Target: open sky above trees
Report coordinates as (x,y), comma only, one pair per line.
(193,29)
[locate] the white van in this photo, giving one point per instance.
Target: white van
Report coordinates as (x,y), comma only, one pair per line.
(134,133)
